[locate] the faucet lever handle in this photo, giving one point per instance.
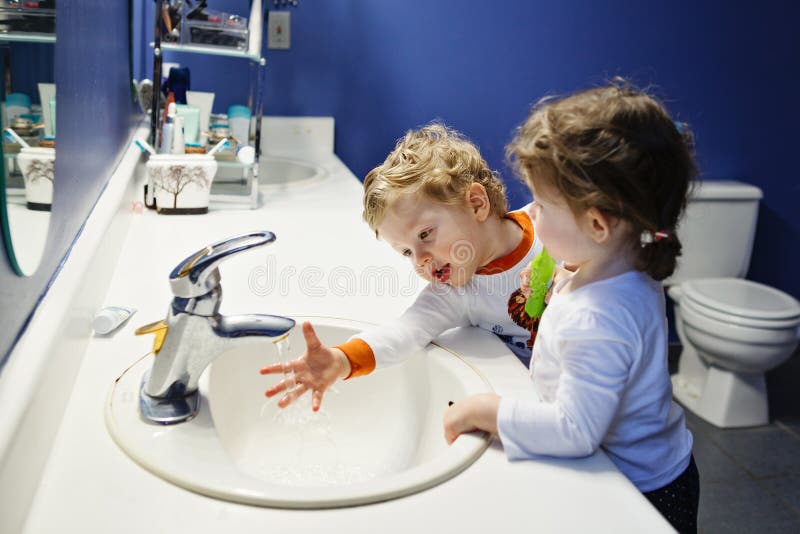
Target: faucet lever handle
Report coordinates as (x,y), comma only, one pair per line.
(198,274)
(159,328)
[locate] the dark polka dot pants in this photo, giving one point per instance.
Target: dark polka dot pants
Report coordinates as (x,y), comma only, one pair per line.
(678,500)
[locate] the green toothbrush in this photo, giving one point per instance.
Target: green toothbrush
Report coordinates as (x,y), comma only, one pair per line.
(543,267)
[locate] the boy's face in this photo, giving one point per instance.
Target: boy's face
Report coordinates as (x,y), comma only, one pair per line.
(439,240)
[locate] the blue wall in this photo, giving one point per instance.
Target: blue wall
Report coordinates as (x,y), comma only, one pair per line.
(730,70)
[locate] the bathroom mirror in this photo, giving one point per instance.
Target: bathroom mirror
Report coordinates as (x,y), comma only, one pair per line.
(27,151)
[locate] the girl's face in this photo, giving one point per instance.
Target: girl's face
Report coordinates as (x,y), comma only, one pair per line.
(439,239)
(558,227)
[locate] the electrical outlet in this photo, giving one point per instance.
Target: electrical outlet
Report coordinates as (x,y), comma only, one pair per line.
(279,30)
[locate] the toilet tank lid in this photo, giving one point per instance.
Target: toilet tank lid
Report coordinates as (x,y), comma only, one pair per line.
(743,298)
(725,190)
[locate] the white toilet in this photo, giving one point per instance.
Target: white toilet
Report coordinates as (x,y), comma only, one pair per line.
(732,330)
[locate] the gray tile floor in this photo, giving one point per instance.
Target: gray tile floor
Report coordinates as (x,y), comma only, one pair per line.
(750,477)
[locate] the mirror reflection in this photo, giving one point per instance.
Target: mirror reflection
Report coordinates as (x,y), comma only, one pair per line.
(27,38)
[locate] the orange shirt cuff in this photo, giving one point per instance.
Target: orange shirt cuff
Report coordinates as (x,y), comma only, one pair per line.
(360,355)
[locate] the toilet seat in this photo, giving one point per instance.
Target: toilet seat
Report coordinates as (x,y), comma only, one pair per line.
(741,302)
(711,316)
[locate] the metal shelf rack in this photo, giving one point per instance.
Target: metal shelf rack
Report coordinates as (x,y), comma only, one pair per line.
(244,190)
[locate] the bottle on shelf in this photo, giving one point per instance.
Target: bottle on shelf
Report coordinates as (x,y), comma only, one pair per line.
(178,139)
(168,130)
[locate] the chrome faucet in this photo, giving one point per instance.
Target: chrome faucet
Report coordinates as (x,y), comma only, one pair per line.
(194,333)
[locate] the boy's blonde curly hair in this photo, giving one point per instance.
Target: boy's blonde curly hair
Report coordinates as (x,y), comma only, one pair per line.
(436,162)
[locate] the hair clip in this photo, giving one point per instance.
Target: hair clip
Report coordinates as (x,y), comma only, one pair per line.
(647,237)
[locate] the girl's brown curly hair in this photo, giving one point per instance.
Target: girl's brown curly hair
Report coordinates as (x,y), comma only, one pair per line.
(616,149)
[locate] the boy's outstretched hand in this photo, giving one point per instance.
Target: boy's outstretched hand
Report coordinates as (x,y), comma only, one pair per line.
(316,370)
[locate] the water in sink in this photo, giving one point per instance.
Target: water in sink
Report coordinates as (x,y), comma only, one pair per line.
(306,435)
(375,438)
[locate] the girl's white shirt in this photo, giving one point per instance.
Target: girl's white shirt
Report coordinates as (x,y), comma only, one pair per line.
(599,368)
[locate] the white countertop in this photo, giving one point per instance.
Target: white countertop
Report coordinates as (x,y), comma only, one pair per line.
(323,263)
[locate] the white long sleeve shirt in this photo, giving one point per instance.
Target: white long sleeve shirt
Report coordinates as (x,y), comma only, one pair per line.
(482,302)
(599,368)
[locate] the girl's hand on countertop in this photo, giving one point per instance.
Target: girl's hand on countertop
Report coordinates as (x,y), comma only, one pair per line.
(478,412)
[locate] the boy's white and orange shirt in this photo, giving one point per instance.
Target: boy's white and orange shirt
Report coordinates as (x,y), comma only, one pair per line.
(490,301)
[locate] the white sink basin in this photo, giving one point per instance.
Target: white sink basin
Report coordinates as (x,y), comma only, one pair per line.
(376,438)
(283,172)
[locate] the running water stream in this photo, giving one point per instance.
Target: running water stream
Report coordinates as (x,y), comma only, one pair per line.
(315,457)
